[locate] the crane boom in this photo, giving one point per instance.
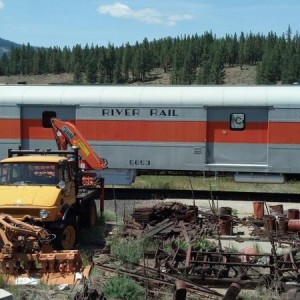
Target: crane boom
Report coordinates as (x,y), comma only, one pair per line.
(66,133)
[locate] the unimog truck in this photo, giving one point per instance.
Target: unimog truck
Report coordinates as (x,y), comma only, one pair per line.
(51,188)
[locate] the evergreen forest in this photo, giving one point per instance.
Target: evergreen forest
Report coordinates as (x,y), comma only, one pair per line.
(196,59)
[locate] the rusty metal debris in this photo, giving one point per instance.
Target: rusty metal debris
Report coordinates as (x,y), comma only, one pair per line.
(155,281)
(169,223)
(161,211)
(222,268)
(26,252)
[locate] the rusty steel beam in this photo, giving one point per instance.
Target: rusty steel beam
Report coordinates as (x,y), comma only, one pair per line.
(164,279)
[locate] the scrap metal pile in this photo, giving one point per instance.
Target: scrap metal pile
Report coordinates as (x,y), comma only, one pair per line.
(189,243)
(26,252)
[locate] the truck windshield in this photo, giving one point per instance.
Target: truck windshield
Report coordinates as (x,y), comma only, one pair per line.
(29,173)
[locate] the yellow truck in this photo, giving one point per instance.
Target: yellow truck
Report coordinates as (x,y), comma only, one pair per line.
(48,188)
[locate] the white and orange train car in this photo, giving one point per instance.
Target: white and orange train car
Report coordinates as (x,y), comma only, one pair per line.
(251,131)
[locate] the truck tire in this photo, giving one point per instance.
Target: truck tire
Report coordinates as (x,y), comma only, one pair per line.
(91,215)
(66,236)
(88,217)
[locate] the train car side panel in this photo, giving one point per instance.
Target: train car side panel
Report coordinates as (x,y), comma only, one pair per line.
(170,138)
(10,124)
(284,139)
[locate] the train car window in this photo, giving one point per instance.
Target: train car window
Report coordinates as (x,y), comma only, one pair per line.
(47,115)
(237,121)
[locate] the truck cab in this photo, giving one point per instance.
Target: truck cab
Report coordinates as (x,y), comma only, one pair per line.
(35,184)
(42,187)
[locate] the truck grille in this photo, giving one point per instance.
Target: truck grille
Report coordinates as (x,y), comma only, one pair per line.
(19,212)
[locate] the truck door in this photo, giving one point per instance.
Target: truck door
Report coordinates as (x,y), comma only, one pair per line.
(68,195)
(237,136)
(34,131)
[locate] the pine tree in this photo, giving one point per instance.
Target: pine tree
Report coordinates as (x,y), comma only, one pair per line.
(110,63)
(77,59)
(126,62)
(241,53)
(233,50)
(4,65)
(91,72)
(67,60)
(77,76)
(101,65)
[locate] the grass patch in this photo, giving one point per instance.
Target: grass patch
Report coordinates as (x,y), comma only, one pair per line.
(224,183)
(201,245)
(150,245)
(260,293)
(128,251)
(109,216)
(122,287)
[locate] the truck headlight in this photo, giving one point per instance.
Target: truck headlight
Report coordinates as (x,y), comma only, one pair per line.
(44,213)
(61,185)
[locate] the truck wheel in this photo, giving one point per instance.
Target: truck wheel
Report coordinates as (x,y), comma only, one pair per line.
(67,236)
(92,217)
(88,217)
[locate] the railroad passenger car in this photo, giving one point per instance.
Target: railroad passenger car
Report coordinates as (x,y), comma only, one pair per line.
(251,131)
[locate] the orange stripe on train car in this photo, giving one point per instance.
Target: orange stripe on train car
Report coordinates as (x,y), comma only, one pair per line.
(10,128)
(108,130)
(161,131)
(254,133)
(144,131)
(33,129)
(284,133)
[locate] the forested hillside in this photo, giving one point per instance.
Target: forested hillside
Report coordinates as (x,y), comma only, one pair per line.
(197,59)
(6,45)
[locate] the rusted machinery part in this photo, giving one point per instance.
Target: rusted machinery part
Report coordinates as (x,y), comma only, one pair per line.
(22,228)
(26,249)
(223,267)
(18,236)
(63,262)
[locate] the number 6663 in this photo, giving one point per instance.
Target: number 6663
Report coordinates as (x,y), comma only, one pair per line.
(136,162)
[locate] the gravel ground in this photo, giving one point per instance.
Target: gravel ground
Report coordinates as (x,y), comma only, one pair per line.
(124,208)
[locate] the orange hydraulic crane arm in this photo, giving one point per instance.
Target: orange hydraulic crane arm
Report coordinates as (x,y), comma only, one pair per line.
(66,133)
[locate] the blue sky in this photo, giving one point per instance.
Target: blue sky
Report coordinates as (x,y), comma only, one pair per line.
(62,23)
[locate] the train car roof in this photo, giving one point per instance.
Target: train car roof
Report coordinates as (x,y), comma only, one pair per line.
(156,95)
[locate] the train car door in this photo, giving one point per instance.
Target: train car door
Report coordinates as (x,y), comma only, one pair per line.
(35,127)
(237,136)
